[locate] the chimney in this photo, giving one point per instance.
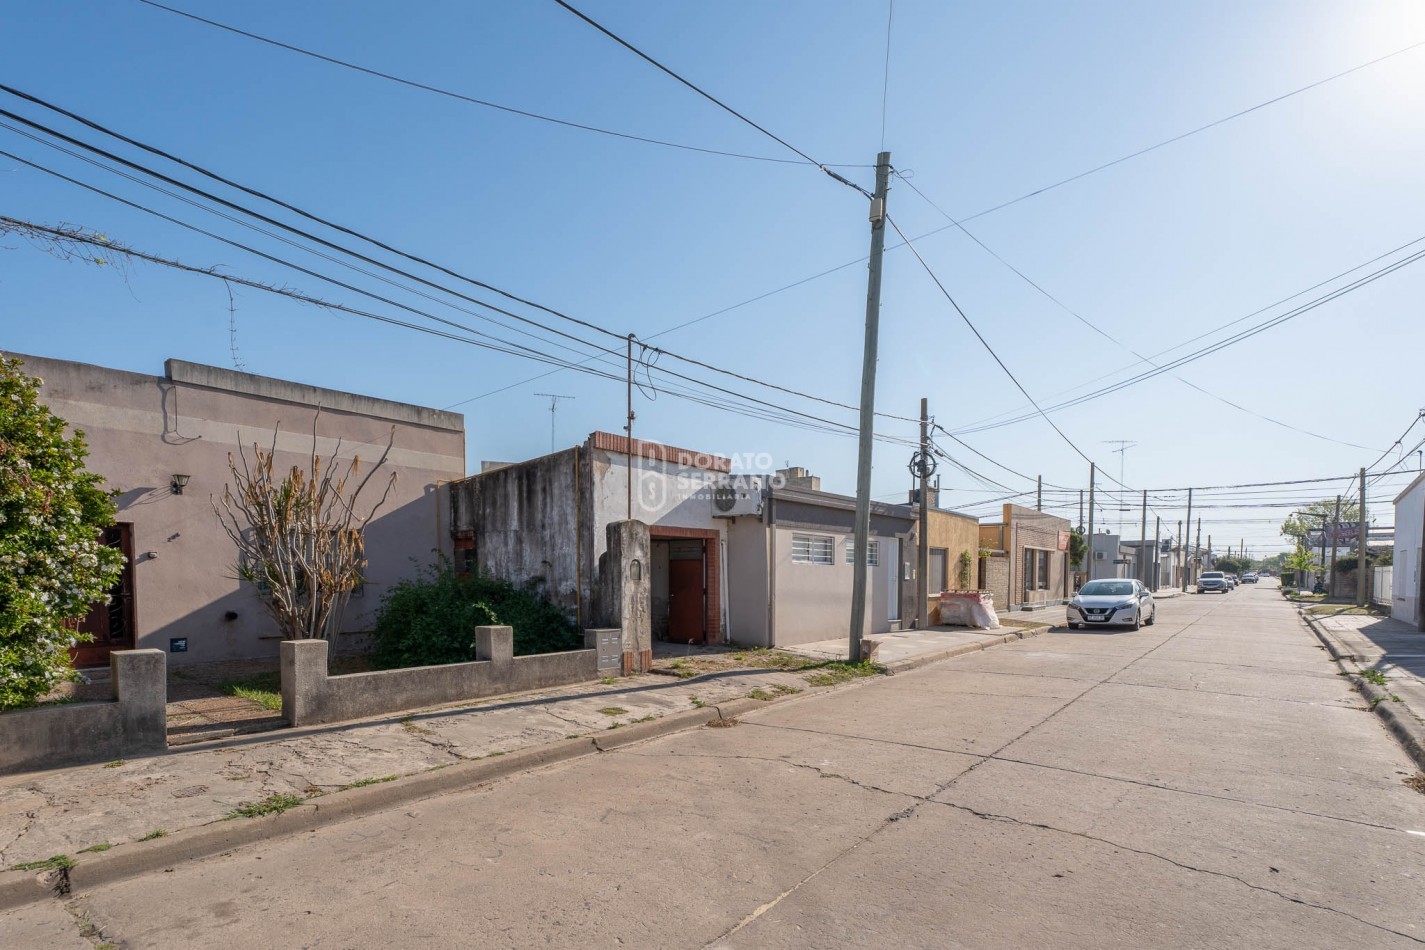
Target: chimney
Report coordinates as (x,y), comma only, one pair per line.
(798,477)
(931,493)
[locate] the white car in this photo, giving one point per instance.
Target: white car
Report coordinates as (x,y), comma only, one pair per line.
(1106,603)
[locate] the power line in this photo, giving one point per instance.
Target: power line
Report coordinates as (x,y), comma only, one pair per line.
(1104,333)
(461,97)
(706,95)
(886,76)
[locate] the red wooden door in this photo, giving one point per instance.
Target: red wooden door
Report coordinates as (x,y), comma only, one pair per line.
(685,600)
(111,624)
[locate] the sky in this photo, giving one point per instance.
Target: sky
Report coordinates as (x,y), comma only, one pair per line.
(983,103)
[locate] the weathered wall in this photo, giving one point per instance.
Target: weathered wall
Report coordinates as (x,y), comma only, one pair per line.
(994,577)
(525,520)
(134,723)
(749,582)
(310,695)
(1031,529)
(143,429)
(957,534)
(622,598)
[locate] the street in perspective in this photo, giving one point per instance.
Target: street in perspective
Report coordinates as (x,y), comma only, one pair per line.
(663,475)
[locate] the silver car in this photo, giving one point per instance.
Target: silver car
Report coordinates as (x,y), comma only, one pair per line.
(1105,603)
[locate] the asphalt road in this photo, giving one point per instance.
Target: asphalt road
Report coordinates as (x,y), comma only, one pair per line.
(1205,782)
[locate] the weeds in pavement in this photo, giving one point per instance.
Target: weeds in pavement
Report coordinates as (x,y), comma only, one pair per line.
(265,689)
(94,848)
(409,724)
(617,725)
(362,783)
(1417,782)
(613,711)
(697,703)
(114,764)
(784,689)
(648,718)
(760,694)
(156,833)
(722,722)
(1374,676)
(271,805)
(53,863)
(607,681)
(829,674)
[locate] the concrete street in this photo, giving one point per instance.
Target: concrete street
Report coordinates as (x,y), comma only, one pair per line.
(1205,782)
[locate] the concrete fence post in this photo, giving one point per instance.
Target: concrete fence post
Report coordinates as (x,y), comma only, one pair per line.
(304,679)
(496,644)
(141,688)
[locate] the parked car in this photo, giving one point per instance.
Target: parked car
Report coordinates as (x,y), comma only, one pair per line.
(1250,577)
(1212,581)
(1232,579)
(1112,603)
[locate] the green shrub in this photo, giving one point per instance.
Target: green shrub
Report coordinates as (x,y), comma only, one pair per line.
(431,620)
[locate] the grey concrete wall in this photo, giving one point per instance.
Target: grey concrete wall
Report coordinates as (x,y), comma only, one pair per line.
(133,723)
(310,695)
(748,582)
(1409,546)
(623,597)
(525,521)
(142,429)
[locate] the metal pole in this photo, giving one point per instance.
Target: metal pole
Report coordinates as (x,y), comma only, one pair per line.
(1088,553)
(868,406)
(1039,494)
(628,429)
(922,584)
(1143,543)
(1362,579)
(1081,507)
(1157,569)
(1197,546)
(1182,542)
(1182,575)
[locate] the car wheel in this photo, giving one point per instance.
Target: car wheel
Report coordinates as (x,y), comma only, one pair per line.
(1076,626)
(1152,618)
(1137,621)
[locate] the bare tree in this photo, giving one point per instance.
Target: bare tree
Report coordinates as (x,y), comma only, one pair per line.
(299,534)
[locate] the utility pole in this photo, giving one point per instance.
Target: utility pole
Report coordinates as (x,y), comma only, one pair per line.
(868,405)
(1143,543)
(1198,545)
(628,429)
(553,406)
(1081,509)
(1182,549)
(1186,561)
(1362,579)
(1039,494)
(922,580)
(1157,542)
(1335,531)
(1088,553)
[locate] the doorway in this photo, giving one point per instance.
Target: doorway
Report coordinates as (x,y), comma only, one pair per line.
(680,589)
(111,625)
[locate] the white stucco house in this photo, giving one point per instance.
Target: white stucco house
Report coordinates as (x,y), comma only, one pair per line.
(1409,534)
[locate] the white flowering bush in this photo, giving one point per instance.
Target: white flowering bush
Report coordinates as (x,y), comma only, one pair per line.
(53,565)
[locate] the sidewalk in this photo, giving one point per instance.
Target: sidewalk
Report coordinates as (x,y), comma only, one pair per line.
(911,647)
(1391,648)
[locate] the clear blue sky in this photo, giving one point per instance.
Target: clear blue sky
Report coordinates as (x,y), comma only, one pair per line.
(986,102)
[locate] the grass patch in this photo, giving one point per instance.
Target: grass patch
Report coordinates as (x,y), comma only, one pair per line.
(55,862)
(95,848)
(1337,610)
(362,783)
(613,711)
(114,764)
(607,681)
(760,694)
(830,674)
(1373,676)
(617,725)
(265,689)
(763,658)
(409,724)
(156,833)
(648,718)
(784,689)
(697,703)
(271,805)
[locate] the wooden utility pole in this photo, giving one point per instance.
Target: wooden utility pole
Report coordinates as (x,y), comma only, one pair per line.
(922,579)
(1182,549)
(1197,546)
(1143,543)
(1182,540)
(1088,552)
(862,532)
(1335,532)
(1363,579)
(1157,543)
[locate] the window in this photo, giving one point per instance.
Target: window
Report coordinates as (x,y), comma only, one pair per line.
(813,549)
(1043,573)
(1036,570)
(874,558)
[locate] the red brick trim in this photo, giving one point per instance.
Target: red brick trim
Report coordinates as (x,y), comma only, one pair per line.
(687,458)
(712,573)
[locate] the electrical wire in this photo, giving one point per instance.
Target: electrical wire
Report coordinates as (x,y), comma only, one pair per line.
(461,97)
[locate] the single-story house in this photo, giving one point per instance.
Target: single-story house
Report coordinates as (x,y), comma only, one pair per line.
(162,444)
(1406,592)
(1024,559)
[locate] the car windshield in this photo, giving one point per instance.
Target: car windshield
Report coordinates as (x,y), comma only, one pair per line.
(1107,589)
(1212,575)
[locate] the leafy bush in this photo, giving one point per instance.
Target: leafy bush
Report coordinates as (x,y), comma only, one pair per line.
(53,563)
(431,620)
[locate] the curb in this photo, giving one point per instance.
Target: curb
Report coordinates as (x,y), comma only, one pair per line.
(1410,734)
(202,841)
(925,659)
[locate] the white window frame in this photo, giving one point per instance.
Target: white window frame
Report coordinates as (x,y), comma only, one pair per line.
(873,548)
(815,549)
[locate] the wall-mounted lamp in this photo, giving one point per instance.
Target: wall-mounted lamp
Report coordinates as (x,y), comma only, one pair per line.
(177,483)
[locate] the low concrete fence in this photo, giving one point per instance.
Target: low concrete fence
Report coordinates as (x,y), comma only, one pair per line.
(134,722)
(310,695)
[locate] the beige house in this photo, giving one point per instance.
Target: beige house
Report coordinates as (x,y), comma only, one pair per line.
(161,444)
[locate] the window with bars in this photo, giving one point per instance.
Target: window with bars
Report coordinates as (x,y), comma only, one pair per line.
(873,558)
(813,549)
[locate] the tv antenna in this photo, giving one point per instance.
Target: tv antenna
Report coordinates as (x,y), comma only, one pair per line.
(553,408)
(1123,446)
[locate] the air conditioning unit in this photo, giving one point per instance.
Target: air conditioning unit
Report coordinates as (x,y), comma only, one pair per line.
(737,495)
(1100,555)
